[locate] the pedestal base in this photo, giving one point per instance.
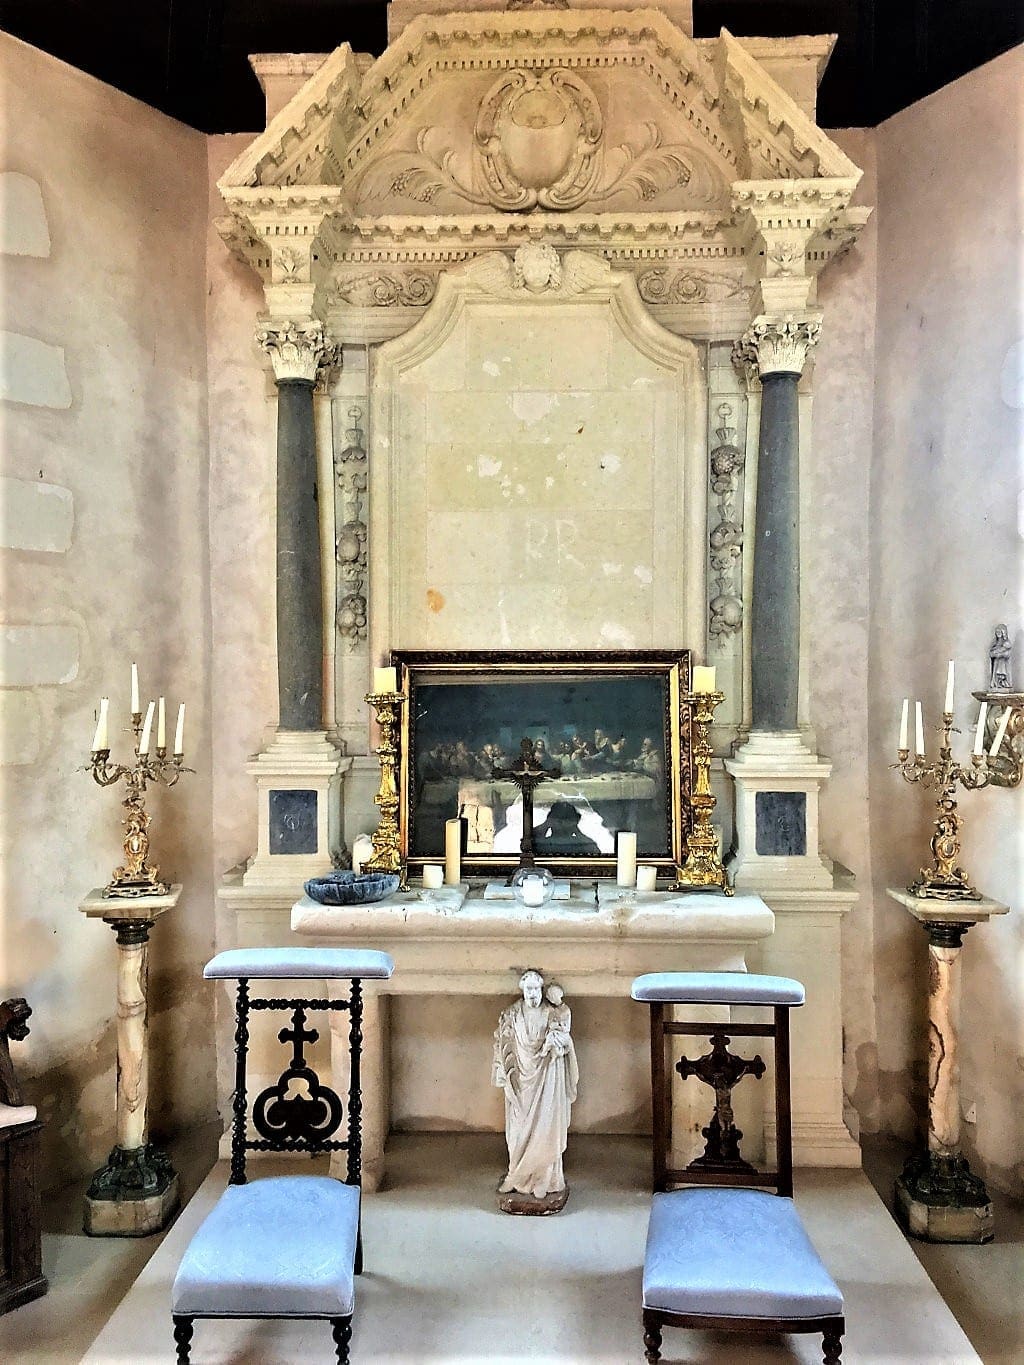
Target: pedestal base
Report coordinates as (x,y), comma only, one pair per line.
(515,1202)
(134,1194)
(939,1199)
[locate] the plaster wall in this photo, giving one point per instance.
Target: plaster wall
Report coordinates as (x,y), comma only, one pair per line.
(946,566)
(103,559)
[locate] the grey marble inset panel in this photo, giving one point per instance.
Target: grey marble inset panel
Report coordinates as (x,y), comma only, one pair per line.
(780,824)
(293,822)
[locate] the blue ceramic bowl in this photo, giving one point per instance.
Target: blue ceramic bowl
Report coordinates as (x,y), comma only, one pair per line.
(350,888)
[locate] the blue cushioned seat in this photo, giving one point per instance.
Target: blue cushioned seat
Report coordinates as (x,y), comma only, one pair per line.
(734,1253)
(717,988)
(297,964)
(283,1246)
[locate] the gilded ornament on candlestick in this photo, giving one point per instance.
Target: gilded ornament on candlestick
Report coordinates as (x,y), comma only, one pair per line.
(136,876)
(387,843)
(945,879)
(703,866)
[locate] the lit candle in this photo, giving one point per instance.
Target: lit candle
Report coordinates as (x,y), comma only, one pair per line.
(433,876)
(948,705)
(161,725)
(385,680)
(905,724)
(1004,721)
(919,719)
(136,708)
(147,725)
(646,877)
(626,861)
(703,678)
(533,890)
(99,739)
(452,852)
(979,734)
(179,731)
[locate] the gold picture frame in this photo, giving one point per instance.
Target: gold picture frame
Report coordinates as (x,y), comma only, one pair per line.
(467,712)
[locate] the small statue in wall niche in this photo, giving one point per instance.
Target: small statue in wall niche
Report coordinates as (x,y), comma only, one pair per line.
(535,1064)
(14,1016)
(1000,679)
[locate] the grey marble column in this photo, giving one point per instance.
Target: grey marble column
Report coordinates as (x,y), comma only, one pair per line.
(778,350)
(296,351)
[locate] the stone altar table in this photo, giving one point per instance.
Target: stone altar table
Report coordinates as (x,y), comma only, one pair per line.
(453,941)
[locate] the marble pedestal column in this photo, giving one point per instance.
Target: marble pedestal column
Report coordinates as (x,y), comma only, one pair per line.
(136,1192)
(938,1197)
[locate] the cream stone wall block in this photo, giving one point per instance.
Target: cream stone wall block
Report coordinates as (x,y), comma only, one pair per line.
(31,656)
(35,515)
(24,230)
(20,727)
(33,371)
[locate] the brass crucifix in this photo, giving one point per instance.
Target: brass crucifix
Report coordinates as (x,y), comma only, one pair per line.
(527,774)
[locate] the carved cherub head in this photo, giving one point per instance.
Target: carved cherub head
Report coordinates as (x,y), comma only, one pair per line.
(536,267)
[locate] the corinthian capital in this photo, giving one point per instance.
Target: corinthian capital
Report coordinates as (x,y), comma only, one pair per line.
(777,345)
(296,349)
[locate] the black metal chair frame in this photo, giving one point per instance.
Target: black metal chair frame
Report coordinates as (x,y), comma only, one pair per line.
(725,1167)
(295,1129)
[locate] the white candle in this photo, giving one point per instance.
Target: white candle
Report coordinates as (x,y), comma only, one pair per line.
(385,680)
(905,724)
(452,852)
(646,877)
(99,739)
(179,731)
(1004,721)
(979,734)
(433,876)
(362,852)
(533,890)
(626,864)
(919,726)
(136,708)
(948,705)
(147,725)
(703,678)
(161,725)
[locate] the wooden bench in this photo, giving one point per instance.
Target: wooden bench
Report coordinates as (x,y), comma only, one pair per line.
(725,1253)
(284,1246)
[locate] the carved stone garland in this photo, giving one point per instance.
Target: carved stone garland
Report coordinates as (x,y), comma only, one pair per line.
(726,537)
(350,545)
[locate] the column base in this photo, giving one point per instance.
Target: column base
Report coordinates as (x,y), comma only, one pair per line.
(939,1199)
(298,775)
(777,782)
(134,1194)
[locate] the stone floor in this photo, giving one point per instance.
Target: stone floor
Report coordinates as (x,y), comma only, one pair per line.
(448,1278)
(562,1289)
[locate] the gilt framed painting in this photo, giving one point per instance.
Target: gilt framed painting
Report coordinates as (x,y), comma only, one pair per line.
(610,730)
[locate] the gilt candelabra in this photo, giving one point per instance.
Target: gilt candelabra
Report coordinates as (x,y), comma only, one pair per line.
(387,844)
(136,876)
(703,866)
(945,879)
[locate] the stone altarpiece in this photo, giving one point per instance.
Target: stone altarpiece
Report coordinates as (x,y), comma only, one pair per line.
(531,279)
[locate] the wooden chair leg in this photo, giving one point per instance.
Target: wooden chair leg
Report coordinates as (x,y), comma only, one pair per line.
(341,1330)
(183,1329)
(652,1340)
(832,1346)
(358,1267)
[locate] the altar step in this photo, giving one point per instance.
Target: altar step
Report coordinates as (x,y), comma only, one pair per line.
(449,1278)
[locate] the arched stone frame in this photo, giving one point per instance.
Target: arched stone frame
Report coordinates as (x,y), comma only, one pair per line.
(580,281)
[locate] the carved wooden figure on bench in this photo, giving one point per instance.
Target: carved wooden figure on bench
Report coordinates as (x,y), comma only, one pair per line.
(284,1246)
(724,1253)
(21,1266)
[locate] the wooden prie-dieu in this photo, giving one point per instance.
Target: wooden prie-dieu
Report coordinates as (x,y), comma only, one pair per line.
(728,1250)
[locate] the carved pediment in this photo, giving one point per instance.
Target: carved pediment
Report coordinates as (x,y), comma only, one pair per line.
(556,110)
